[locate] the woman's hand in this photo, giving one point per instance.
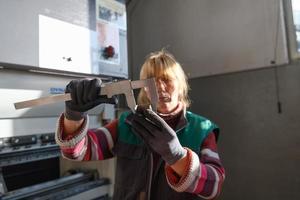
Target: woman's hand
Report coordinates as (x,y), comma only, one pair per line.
(85,94)
(157,134)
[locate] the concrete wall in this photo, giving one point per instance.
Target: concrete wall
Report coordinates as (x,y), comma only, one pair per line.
(259,147)
(208,37)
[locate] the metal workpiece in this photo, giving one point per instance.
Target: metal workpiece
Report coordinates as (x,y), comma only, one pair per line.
(42,101)
(125,87)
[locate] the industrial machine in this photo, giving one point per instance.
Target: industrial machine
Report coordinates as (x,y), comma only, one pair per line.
(29,169)
(64,40)
(30,164)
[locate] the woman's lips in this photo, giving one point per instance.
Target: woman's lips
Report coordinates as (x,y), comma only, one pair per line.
(164,98)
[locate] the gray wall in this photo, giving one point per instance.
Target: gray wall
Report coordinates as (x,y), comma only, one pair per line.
(208,37)
(259,147)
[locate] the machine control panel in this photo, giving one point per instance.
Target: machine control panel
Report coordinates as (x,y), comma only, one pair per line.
(22,149)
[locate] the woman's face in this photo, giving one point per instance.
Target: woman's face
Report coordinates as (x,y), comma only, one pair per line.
(168,92)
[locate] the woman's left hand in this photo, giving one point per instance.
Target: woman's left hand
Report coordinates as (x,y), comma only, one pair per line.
(157,134)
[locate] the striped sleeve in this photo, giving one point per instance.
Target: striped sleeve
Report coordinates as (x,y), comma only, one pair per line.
(87,144)
(204,173)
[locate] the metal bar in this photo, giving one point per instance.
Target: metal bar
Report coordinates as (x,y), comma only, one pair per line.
(151,88)
(153,93)
(122,87)
(43,101)
(139,83)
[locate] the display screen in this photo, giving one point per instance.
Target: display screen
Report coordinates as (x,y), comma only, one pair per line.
(72,36)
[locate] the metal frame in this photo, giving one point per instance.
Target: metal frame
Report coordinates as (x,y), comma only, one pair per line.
(291,32)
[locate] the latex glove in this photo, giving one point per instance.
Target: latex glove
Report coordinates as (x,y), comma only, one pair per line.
(85,94)
(157,134)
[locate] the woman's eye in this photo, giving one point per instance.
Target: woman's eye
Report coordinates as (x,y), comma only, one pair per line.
(166,80)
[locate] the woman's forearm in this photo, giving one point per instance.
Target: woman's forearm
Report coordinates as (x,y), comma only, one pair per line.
(71,127)
(180,166)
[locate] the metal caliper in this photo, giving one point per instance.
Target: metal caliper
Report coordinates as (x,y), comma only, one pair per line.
(125,87)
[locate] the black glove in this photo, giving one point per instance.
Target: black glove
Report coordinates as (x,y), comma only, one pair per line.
(85,94)
(157,134)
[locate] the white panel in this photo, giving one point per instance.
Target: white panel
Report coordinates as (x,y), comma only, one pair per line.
(11,96)
(66,30)
(38,125)
(18,86)
(65,46)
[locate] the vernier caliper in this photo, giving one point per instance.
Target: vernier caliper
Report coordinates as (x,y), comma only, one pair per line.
(125,87)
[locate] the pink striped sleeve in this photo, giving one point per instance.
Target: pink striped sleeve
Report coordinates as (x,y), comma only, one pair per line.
(87,144)
(204,174)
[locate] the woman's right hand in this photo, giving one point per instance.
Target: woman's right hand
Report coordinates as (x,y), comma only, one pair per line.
(85,94)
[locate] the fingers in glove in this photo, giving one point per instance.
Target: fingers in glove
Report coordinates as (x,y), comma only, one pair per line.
(152,117)
(71,88)
(146,124)
(79,93)
(86,91)
(140,126)
(95,87)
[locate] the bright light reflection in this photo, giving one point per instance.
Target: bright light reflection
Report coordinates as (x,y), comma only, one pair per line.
(296,5)
(65,46)
(11,96)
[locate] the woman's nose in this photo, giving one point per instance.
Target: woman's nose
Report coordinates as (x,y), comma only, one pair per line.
(160,85)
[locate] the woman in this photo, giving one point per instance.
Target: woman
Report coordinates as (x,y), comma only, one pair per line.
(171,154)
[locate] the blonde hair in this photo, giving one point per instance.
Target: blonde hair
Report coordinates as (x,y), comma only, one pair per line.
(162,64)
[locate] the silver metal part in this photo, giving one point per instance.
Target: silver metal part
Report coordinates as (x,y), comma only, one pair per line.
(125,87)
(42,101)
(151,88)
